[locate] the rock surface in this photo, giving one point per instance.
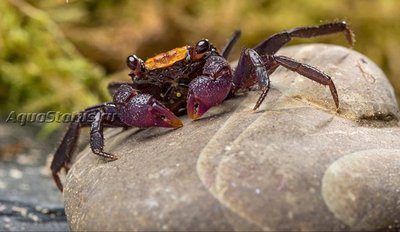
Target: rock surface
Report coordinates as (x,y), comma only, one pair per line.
(295,164)
(29,201)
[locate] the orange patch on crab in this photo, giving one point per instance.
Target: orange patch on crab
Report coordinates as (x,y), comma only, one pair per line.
(166,59)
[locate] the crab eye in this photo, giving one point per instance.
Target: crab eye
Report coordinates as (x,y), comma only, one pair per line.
(136,65)
(132,62)
(202,46)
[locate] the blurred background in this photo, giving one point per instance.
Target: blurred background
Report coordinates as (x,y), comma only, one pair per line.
(59,55)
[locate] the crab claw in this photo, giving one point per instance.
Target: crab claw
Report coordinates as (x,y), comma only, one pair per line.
(206,92)
(142,110)
(161,116)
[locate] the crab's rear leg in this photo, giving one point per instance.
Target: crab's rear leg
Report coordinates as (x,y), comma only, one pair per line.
(64,152)
(251,62)
(309,72)
(231,42)
(273,43)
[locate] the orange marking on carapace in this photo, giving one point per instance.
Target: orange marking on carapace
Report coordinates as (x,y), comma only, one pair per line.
(166,59)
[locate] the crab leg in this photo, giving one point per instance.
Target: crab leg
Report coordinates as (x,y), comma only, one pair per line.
(231,42)
(105,115)
(251,62)
(97,138)
(64,152)
(273,43)
(309,72)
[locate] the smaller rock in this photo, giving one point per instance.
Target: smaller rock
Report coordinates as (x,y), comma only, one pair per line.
(350,186)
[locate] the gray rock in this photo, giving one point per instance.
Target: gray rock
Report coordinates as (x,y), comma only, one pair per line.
(28,197)
(351,185)
(295,164)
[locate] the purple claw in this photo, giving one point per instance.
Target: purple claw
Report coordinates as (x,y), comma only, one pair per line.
(161,116)
(143,110)
(206,92)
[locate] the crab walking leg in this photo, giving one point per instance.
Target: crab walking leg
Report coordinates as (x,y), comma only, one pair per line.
(64,152)
(242,72)
(309,72)
(273,43)
(97,137)
(251,62)
(231,42)
(261,74)
(106,116)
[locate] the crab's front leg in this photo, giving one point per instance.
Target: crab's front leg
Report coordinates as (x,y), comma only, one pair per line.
(210,88)
(65,150)
(106,116)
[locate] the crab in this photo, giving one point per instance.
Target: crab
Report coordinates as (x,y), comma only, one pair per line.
(188,79)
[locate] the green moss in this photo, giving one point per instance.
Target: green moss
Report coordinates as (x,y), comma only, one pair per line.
(39,69)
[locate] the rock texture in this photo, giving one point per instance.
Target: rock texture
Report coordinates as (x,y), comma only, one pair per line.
(348,180)
(29,201)
(295,164)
